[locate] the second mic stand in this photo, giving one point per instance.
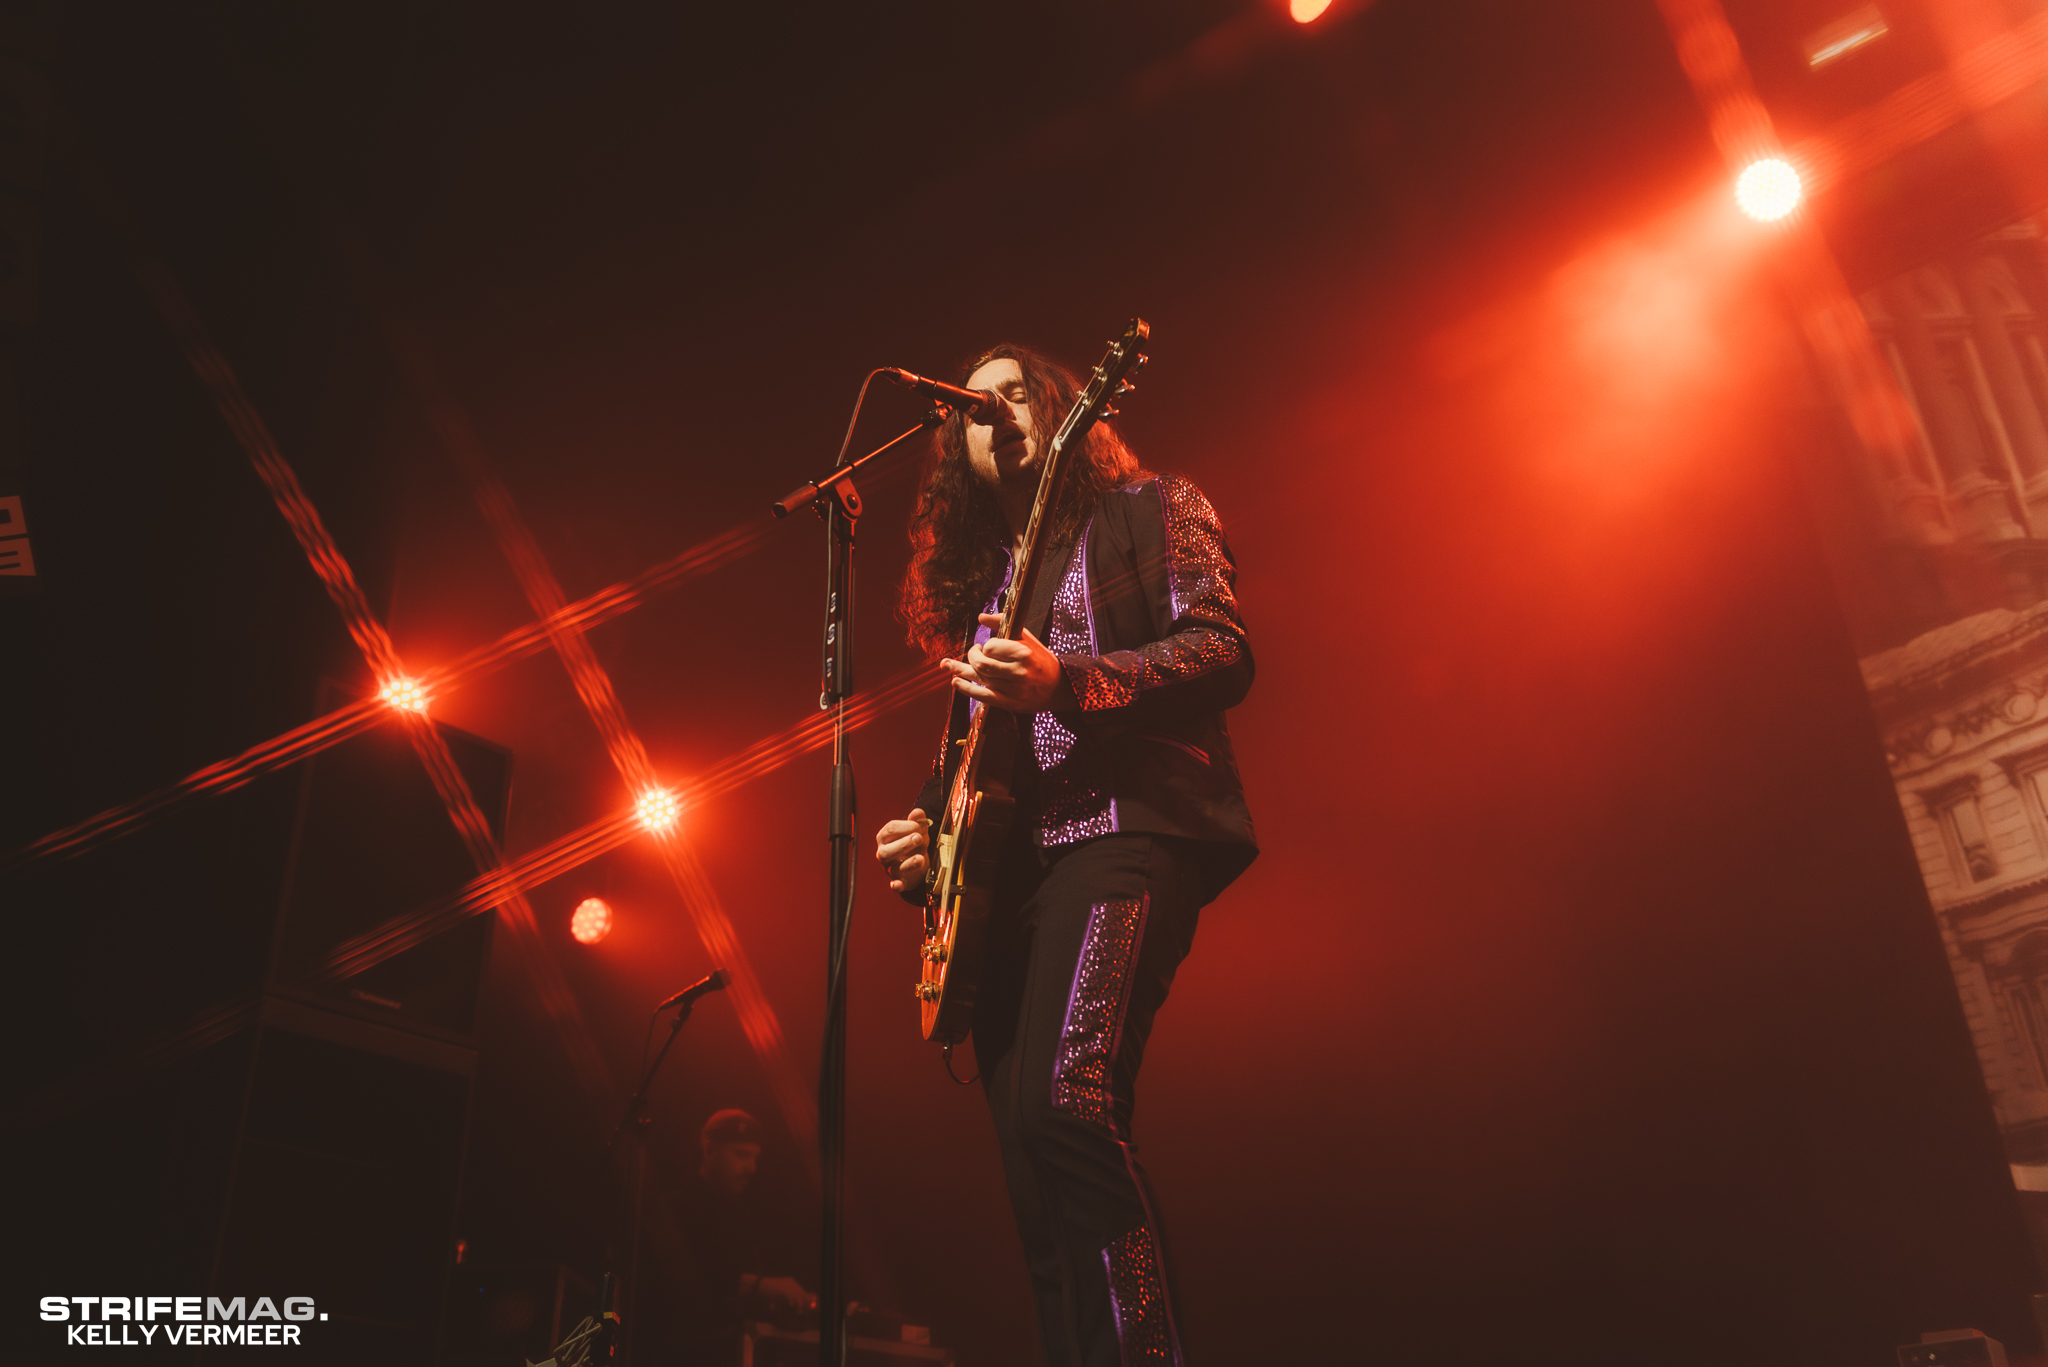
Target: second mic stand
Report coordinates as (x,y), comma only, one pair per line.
(636,1122)
(838,503)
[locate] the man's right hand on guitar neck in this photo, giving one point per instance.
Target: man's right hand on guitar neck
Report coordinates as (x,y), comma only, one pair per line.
(900,849)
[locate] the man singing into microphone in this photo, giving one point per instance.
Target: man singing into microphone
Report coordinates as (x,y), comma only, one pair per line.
(1130,819)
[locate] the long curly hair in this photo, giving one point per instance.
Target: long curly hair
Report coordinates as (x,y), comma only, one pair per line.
(958,532)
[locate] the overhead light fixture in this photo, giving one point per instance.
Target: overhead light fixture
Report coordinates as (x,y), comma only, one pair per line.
(404,694)
(1768,189)
(591,921)
(1844,36)
(659,809)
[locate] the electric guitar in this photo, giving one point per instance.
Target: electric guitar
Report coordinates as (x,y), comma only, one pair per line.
(973,828)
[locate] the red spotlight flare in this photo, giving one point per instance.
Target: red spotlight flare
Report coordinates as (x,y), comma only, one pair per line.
(317,735)
(320,733)
(1768,189)
(404,694)
(714,925)
(592,920)
(658,810)
(346,594)
(579,847)
(306,741)
(1855,369)
(486,892)
(1307,11)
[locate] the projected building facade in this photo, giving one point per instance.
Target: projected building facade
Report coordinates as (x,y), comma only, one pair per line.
(1951,605)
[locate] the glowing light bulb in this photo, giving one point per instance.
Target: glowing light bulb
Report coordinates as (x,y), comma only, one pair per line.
(659,809)
(1767,190)
(405,693)
(1307,11)
(592,920)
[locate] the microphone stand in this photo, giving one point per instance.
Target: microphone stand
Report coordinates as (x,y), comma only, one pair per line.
(636,1122)
(838,503)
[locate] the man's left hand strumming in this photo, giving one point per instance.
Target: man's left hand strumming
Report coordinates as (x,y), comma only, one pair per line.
(1017,676)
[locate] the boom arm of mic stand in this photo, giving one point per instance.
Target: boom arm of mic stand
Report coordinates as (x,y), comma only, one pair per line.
(647,1079)
(810,494)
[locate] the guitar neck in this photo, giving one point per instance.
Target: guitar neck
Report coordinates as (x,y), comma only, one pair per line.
(1031,557)
(1108,382)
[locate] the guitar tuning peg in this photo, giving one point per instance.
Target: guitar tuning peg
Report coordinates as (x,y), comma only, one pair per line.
(1142,358)
(1110,411)
(1124,386)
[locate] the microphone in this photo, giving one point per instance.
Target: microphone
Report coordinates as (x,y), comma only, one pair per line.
(713,982)
(980,405)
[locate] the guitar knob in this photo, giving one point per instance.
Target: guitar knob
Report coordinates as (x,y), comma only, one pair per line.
(927,992)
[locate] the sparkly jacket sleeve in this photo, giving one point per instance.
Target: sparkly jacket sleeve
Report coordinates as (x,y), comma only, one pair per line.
(1162,571)
(1142,616)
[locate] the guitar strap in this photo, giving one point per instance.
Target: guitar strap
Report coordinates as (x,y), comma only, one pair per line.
(1051,574)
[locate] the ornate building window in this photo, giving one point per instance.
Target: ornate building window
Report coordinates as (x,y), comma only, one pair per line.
(1955,806)
(2036,789)
(1963,371)
(2027,770)
(2024,985)
(1966,821)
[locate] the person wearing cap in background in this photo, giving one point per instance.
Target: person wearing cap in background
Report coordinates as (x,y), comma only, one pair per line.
(711,1234)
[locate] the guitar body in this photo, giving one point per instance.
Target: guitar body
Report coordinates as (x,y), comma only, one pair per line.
(970,844)
(973,831)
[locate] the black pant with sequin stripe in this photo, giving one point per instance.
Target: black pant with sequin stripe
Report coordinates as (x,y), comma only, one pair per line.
(1085,944)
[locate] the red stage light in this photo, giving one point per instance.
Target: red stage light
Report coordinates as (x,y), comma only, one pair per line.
(1768,189)
(1307,11)
(592,920)
(1844,36)
(406,694)
(658,810)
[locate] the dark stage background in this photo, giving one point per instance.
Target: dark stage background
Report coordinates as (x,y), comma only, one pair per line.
(1584,1005)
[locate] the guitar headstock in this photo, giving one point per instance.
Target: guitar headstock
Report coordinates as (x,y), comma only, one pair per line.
(1109,382)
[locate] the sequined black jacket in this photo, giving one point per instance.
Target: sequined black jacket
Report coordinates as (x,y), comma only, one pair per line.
(1143,617)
